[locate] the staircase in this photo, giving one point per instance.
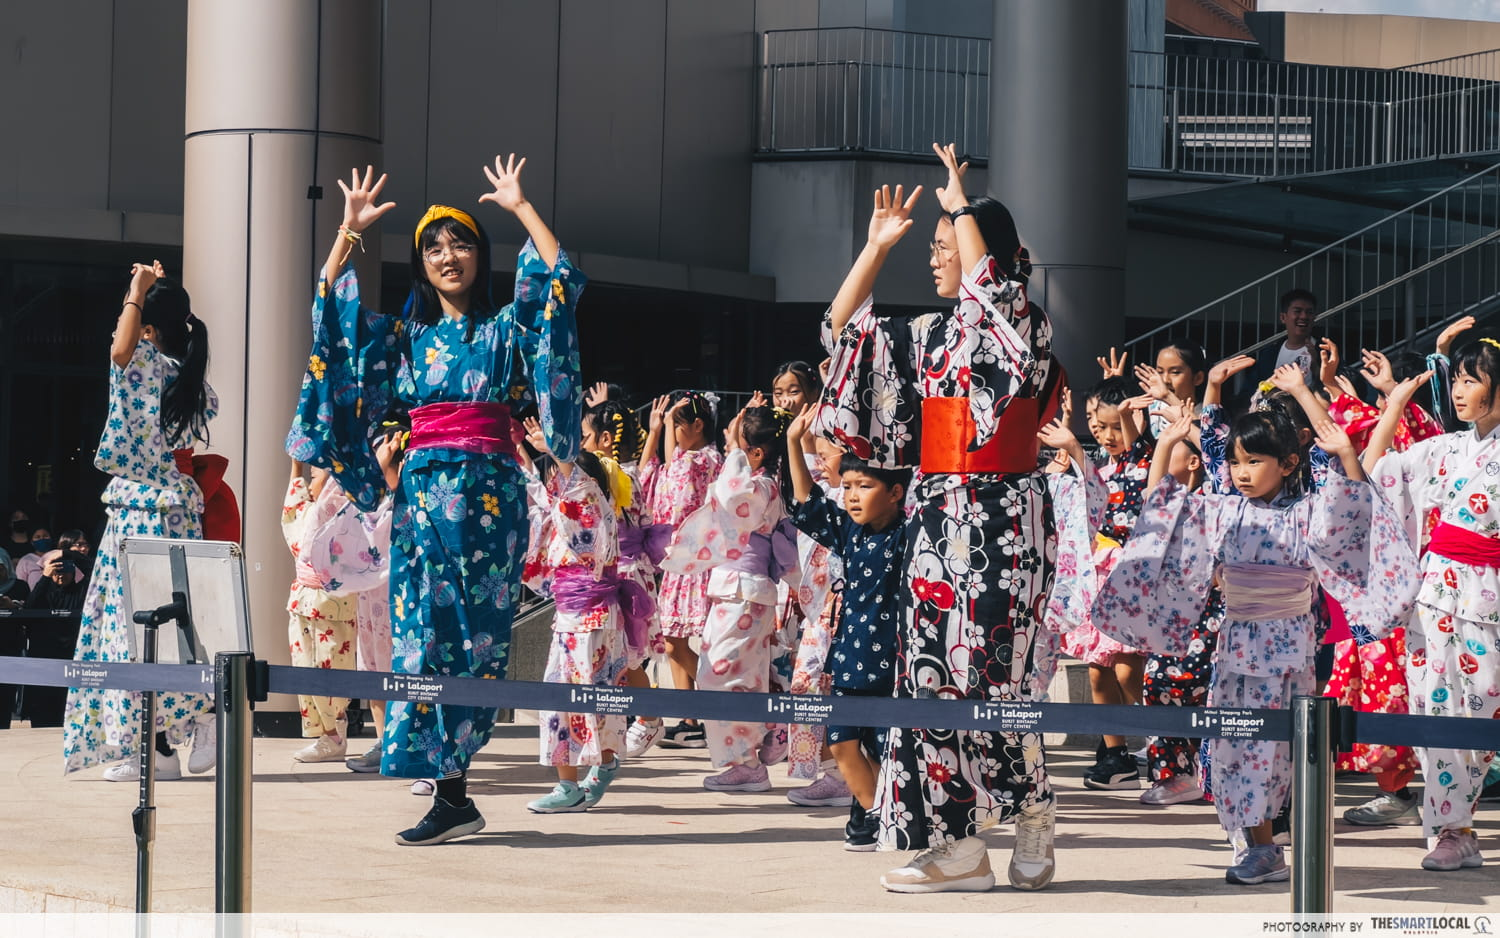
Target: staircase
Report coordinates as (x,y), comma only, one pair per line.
(1392,284)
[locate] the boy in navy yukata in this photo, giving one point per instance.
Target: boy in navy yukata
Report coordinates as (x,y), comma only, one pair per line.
(869,536)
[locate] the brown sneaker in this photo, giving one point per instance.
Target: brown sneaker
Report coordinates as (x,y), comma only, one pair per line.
(957,866)
(1032,864)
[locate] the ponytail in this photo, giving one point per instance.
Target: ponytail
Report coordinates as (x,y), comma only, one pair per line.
(183,336)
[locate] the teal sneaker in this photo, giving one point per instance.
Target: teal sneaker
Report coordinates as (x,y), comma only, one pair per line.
(596,783)
(566,797)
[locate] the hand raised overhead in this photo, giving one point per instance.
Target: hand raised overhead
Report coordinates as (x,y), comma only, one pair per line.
(362,207)
(506,180)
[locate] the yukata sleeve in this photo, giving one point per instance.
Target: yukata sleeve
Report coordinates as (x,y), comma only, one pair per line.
(871,406)
(742,505)
(822,521)
(1079,502)
(584,519)
(1214,434)
(1423,425)
(1357,418)
(338,551)
(293,509)
(712,533)
(349,384)
(1159,586)
(1362,556)
(536,572)
(1007,347)
(545,313)
(1401,480)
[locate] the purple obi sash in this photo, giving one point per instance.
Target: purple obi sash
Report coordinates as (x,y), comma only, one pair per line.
(768,554)
(649,540)
(472,426)
(576,591)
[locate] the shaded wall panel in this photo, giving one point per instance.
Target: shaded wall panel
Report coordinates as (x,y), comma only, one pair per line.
(149,78)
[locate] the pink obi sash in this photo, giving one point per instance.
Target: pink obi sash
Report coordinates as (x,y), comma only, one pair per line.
(1256,592)
(471,426)
(1464,546)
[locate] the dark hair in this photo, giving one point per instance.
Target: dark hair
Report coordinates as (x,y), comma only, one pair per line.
(1001,242)
(546,465)
(68,538)
(698,408)
(1293,295)
(890,478)
(806,375)
(422,304)
(765,427)
(1479,360)
(1285,406)
(1264,433)
(613,416)
(1111,391)
(180,335)
(1191,353)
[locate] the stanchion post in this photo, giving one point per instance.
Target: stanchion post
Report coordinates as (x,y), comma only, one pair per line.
(232,689)
(1314,749)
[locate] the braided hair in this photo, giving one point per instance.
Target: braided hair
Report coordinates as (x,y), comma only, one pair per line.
(614,418)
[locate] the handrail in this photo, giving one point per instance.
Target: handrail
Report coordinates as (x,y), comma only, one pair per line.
(1302,261)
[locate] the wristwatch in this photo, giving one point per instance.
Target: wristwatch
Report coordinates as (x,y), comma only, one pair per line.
(958,213)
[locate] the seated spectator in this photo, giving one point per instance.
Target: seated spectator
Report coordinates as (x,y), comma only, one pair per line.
(60,586)
(29,567)
(19,544)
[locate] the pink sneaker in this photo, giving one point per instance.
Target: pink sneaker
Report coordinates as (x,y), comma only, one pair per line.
(829,791)
(740,778)
(773,746)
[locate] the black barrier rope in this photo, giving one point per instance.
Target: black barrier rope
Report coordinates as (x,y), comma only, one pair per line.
(932,713)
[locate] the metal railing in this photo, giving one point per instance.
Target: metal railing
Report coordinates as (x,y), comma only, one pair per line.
(880,91)
(1380,287)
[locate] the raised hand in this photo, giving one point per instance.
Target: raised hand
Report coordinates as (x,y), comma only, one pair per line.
(142,276)
(658,413)
(732,438)
(757,400)
(1067,407)
(823,368)
(1402,393)
(1345,385)
(535,435)
(1141,402)
(1056,435)
(1377,371)
(1228,368)
(597,394)
(1152,382)
(797,429)
(1114,366)
(362,207)
(506,178)
(1446,337)
(1333,440)
(1288,378)
(1328,362)
(951,194)
(892,216)
(1176,431)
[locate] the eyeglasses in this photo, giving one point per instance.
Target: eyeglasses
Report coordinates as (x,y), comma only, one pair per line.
(939,251)
(459,251)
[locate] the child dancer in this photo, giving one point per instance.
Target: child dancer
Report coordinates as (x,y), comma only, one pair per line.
(1447,490)
(1268,549)
(869,537)
(1114,669)
(317,521)
(573,553)
(736,536)
(1175,385)
(678,485)
(795,386)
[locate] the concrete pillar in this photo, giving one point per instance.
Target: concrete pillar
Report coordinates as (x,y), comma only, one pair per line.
(282,95)
(1058,161)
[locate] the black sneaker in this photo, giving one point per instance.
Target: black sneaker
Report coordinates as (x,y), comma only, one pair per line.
(1117,771)
(862,829)
(443,822)
(684,735)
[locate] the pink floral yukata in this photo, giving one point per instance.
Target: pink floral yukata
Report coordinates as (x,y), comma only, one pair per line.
(678,490)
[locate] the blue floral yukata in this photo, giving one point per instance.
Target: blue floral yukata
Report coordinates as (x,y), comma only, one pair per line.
(460,529)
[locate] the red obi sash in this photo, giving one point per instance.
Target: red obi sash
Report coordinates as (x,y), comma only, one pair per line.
(1464,546)
(948,428)
(474,427)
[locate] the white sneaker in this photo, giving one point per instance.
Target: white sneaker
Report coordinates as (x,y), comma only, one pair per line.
(1179,789)
(423,788)
(642,736)
(1032,863)
(168,769)
(957,866)
(322,749)
(205,751)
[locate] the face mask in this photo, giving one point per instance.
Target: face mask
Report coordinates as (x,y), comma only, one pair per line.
(42,544)
(18,527)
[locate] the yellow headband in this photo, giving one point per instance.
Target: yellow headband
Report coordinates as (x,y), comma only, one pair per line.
(444,211)
(1489,341)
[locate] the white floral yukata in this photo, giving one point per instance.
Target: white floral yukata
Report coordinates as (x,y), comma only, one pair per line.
(981,547)
(1453,641)
(741,626)
(148,497)
(1343,536)
(574,533)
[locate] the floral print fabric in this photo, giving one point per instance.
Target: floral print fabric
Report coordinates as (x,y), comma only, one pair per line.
(147,497)
(980,548)
(459,523)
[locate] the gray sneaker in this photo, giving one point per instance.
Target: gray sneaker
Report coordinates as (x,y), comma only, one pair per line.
(368,762)
(1384,810)
(1454,850)
(1263,863)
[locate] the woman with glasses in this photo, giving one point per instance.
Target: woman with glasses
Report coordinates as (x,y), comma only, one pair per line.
(961,395)
(459,363)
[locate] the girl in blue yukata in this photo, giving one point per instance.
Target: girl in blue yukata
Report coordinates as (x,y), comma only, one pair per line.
(459,362)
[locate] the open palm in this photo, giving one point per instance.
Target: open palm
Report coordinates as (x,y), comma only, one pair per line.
(506,178)
(362,205)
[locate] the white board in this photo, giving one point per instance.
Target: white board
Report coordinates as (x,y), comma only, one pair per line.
(215,573)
